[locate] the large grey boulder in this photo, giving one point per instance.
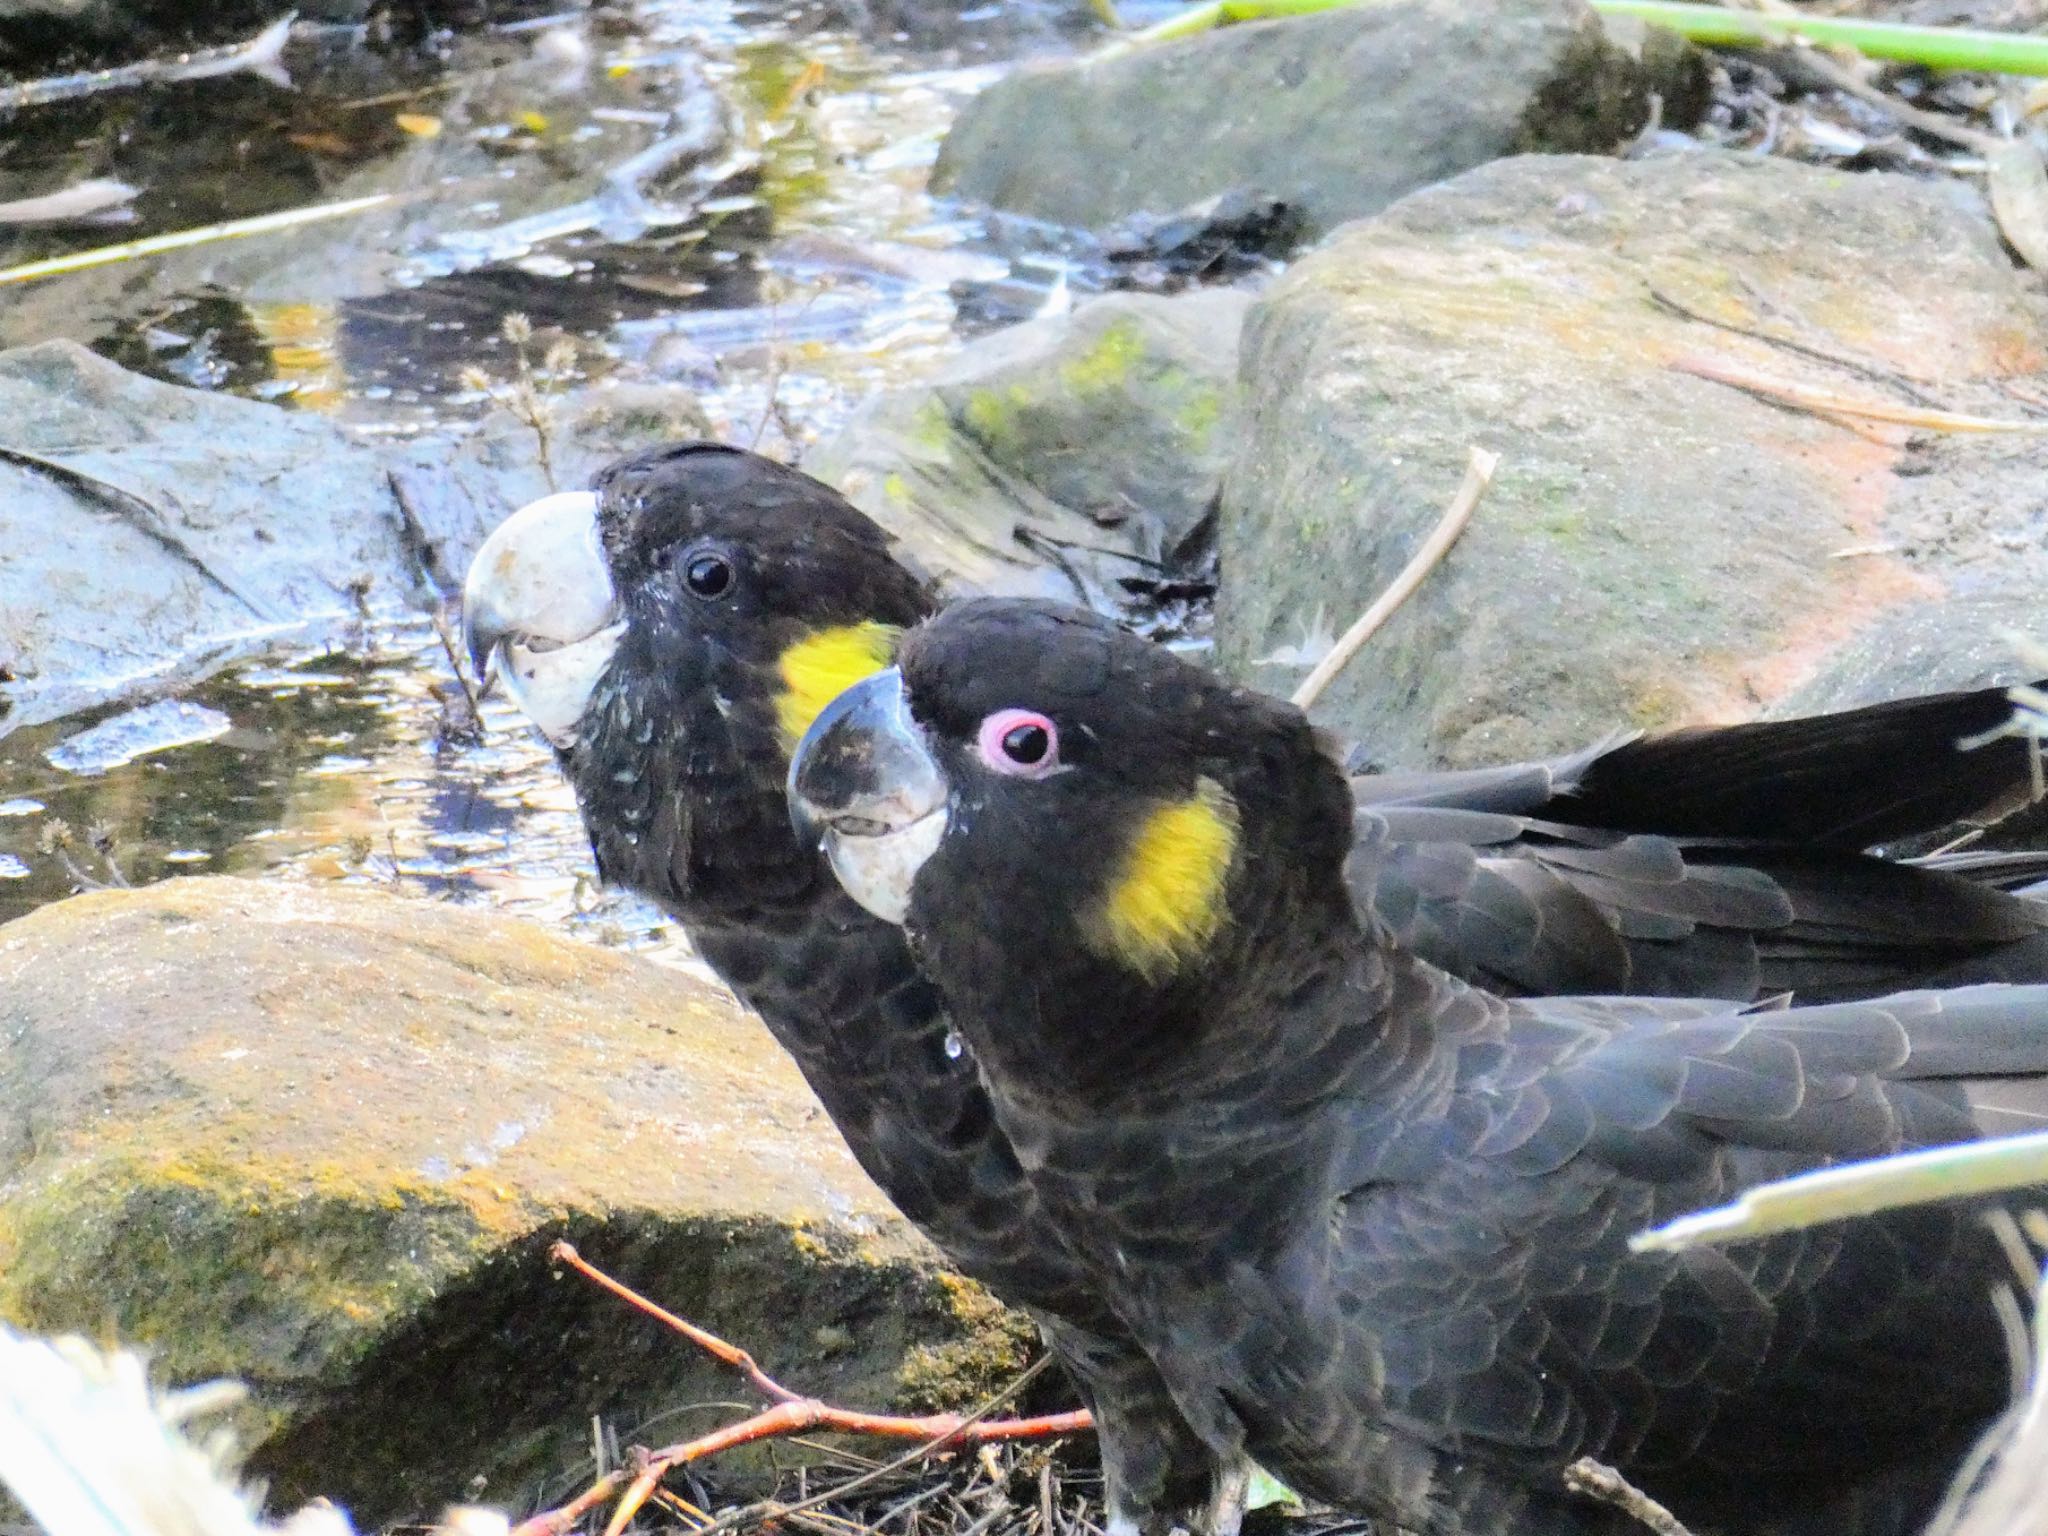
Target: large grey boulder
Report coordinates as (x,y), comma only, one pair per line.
(1339,112)
(1659,546)
(321,1140)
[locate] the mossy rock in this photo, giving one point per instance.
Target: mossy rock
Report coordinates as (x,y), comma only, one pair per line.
(322,1140)
(1661,545)
(1102,434)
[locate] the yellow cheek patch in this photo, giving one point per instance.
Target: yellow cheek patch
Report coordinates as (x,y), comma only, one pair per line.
(1168,900)
(823,665)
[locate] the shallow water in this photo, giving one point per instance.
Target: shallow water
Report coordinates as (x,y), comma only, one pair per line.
(356,766)
(807,269)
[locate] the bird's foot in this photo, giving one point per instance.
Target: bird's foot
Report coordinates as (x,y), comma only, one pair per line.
(1224,1513)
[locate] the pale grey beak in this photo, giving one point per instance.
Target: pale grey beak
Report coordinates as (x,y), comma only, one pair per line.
(539,603)
(864,783)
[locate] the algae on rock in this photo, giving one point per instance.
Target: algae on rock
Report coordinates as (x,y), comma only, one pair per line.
(1101,434)
(321,1139)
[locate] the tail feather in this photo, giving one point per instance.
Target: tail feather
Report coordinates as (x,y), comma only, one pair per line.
(1845,780)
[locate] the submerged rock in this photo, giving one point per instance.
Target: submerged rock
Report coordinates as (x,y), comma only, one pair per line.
(1660,544)
(321,1140)
(159,727)
(1336,114)
(1078,449)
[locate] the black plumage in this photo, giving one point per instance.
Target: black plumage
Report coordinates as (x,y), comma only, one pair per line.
(678,769)
(1370,1222)
(1720,861)
(678,761)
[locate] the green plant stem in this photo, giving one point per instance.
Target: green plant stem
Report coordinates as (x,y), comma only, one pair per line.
(1218,13)
(1998,53)
(1935,47)
(1860,1189)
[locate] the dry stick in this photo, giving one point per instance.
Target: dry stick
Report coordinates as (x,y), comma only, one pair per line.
(1826,402)
(972,1425)
(710,1343)
(153,245)
(1479,470)
(791,1415)
(1597,1480)
(413,534)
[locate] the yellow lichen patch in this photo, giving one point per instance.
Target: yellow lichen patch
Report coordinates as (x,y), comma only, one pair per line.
(992,1345)
(1168,897)
(1108,363)
(823,665)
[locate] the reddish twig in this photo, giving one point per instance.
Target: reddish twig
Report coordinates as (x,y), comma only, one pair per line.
(710,1343)
(792,1415)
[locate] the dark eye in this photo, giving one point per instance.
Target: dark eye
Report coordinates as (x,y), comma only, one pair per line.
(1021,743)
(1028,743)
(707,575)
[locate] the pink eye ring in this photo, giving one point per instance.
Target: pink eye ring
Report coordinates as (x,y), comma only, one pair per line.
(1020,742)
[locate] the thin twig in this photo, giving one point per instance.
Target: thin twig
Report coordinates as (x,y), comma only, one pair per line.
(710,1343)
(1597,1480)
(413,536)
(1933,124)
(76,871)
(1825,402)
(155,245)
(955,1431)
(469,689)
(1479,468)
(791,1415)
(426,559)
(1871,371)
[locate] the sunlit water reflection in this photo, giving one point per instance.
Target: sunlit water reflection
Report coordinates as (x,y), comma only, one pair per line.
(812,275)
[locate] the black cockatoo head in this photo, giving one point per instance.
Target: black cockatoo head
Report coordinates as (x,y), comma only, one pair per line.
(1075,824)
(673,631)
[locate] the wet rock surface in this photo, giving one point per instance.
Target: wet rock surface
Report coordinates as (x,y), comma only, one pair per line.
(1337,113)
(1659,545)
(321,1140)
(41,35)
(1101,435)
(149,532)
